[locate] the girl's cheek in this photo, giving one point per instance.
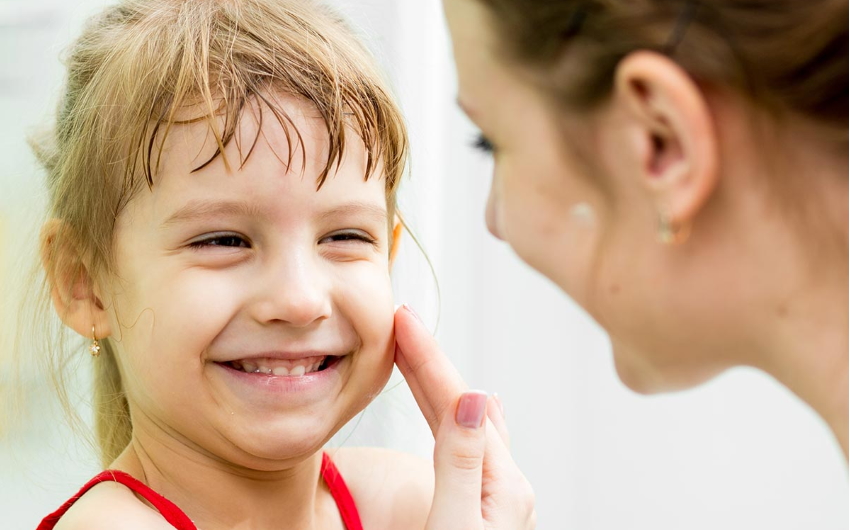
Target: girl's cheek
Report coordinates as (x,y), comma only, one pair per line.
(183,313)
(367,301)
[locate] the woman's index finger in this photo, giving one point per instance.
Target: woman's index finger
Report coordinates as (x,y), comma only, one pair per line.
(432,377)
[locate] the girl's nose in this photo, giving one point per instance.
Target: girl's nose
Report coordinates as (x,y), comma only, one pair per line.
(295,292)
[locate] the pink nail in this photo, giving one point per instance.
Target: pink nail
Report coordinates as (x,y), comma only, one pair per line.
(471,409)
(412,312)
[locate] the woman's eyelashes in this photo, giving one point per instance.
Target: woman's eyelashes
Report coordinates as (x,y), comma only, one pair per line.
(483,144)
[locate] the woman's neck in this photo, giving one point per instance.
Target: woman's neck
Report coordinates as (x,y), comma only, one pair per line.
(810,357)
(217,495)
(806,338)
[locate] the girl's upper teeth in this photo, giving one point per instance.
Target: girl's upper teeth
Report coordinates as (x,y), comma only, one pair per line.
(281,367)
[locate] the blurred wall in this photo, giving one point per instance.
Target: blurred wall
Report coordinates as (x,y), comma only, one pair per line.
(738,453)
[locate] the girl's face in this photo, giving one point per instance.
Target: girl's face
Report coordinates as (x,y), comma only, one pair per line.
(252,314)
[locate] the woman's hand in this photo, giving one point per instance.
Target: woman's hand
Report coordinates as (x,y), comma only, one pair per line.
(478,485)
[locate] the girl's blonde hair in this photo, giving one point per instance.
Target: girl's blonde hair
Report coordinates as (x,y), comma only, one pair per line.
(134,72)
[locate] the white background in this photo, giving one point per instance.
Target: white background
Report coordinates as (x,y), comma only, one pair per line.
(738,453)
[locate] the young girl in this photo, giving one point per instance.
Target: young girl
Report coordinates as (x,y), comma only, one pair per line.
(222,181)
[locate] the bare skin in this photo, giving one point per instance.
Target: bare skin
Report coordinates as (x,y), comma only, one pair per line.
(217,268)
(700,231)
(760,279)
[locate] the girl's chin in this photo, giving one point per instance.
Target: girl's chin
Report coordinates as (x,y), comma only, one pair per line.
(273,423)
(274,450)
(267,441)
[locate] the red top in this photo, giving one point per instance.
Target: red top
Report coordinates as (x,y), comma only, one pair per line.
(180,521)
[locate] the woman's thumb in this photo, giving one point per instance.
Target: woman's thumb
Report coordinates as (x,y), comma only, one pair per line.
(458,463)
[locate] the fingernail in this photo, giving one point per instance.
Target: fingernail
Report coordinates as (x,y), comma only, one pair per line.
(471,409)
(499,403)
(412,312)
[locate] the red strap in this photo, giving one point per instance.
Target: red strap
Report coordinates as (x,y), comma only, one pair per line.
(168,509)
(180,521)
(340,493)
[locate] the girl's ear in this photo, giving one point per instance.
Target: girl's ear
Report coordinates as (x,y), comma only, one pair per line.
(674,137)
(72,288)
(398,229)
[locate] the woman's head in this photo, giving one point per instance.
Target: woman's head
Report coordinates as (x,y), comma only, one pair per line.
(205,154)
(614,124)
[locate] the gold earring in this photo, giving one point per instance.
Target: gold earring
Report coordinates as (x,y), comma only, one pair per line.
(94,349)
(670,233)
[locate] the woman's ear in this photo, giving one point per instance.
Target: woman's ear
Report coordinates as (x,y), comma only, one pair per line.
(72,288)
(398,229)
(677,146)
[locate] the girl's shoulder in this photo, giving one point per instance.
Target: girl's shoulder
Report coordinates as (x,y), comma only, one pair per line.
(111,505)
(392,490)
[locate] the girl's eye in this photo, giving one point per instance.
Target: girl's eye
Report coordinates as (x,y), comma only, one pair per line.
(349,236)
(221,240)
(483,144)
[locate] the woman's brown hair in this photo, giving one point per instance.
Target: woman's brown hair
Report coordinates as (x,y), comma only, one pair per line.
(786,54)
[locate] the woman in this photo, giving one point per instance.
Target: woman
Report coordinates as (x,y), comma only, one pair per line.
(680,170)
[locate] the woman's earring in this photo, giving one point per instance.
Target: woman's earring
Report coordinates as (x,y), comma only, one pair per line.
(670,233)
(94,349)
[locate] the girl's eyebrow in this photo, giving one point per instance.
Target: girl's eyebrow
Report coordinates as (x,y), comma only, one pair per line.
(376,213)
(194,210)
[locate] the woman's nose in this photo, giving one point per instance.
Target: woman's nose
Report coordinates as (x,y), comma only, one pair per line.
(293,292)
(490,214)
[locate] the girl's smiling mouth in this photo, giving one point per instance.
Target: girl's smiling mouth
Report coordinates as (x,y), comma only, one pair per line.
(271,366)
(302,378)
